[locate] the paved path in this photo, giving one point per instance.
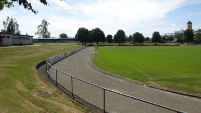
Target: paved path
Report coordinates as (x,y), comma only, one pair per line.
(78,65)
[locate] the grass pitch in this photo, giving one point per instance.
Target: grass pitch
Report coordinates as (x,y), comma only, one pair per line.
(177,67)
(19,81)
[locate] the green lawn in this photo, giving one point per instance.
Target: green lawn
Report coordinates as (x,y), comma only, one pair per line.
(19,81)
(177,67)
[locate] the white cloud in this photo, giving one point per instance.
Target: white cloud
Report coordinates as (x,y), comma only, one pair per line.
(127,14)
(173,25)
(134,10)
(61,4)
(144,16)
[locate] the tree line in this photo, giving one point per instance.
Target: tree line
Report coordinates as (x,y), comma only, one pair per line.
(84,36)
(97,35)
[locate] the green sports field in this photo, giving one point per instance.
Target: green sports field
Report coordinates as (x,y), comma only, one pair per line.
(177,67)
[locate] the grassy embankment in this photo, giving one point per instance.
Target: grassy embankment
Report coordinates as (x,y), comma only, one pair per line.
(19,81)
(176,67)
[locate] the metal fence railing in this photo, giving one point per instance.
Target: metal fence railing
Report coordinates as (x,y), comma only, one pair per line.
(95,97)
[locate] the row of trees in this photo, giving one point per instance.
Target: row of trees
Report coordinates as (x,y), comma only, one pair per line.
(84,35)
(187,36)
(97,35)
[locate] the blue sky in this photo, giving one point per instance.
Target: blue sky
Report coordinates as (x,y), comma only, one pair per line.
(144,16)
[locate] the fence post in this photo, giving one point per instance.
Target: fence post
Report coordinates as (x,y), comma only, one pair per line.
(72,87)
(104,100)
(56,78)
(46,67)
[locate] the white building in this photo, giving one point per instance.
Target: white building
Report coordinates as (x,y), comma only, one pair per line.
(7,39)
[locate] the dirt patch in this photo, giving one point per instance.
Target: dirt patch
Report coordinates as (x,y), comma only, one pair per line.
(42,93)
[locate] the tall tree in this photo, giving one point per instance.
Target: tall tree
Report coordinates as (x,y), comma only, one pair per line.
(198,35)
(109,39)
(11,26)
(188,35)
(98,35)
(27,5)
(42,30)
(180,38)
(147,39)
(138,37)
(164,38)
(82,35)
(63,35)
(91,38)
(120,37)
(170,38)
(156,37)
(130,38)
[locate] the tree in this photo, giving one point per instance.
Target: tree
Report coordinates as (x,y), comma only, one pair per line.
(82,35)
(91,38)
(170,38)
(188,35)
(11,26)
(156,37)
(138,37)
(130,38)
(180,38)
(98,35)
(198,36)
(120,37)
(63,35)
(164,38)
(109,39)
(43,30)
(25,3)
(147,39)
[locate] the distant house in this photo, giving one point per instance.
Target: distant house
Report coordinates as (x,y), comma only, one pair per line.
(7,39)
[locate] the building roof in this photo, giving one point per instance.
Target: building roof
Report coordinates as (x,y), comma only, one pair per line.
(14,34)
(189,22)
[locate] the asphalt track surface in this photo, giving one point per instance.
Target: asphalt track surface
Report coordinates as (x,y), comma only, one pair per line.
(78,65)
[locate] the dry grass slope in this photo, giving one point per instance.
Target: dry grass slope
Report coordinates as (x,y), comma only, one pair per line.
(19,81)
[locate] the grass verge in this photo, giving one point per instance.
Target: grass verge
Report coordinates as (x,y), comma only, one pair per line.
(19,81)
